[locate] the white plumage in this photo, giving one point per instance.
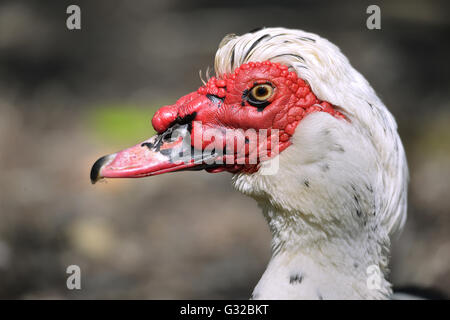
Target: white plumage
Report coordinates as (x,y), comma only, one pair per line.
(340,190)
(326,236)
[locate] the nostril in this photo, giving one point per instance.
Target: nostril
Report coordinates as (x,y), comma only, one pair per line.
(164,117)
(217,100)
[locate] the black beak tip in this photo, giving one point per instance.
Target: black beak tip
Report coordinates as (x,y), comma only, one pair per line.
(95,170)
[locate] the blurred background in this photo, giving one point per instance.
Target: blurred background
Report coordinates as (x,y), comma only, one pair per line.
(68,97)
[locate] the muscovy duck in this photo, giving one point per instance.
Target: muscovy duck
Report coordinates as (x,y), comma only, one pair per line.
(308,138)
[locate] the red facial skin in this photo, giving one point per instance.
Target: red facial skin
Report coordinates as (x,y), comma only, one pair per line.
(291,101)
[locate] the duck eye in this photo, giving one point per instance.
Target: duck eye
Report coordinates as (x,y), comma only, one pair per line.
(260,94)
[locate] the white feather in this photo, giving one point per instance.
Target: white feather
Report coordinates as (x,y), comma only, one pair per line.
(322,230)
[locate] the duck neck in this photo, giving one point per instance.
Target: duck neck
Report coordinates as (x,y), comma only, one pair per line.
(312,262)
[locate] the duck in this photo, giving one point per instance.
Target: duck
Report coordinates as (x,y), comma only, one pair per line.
(305,135)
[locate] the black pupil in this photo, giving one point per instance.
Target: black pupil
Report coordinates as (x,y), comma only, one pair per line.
(261,91)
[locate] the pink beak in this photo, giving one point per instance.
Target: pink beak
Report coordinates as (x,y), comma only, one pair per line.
(166,152)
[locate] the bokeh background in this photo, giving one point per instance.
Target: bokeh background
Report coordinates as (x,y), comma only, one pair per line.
(68,97)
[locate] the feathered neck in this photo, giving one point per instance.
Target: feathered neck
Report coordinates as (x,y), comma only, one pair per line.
(341,188)
(309,263)
(323,209)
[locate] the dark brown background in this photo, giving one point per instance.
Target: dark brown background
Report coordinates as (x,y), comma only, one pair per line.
(187,235)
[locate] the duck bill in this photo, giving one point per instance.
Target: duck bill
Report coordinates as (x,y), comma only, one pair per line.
(167,152)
